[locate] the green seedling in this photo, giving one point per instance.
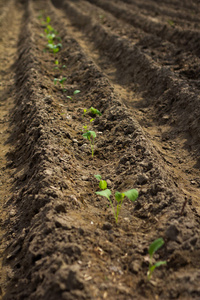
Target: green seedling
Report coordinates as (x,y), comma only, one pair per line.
(92,110)
(74,93)
(61,81)
(85,129)
(95,111)
(102,183)
(54,48)
(91,120)
(49,29)
(157,244)
(119,197)
(171,23)
(40,16)
(90,135)
(48,20)
(57,64)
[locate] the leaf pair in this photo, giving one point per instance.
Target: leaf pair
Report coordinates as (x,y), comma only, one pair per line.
(157,244)
(119,197)
(90,135)
(102,183)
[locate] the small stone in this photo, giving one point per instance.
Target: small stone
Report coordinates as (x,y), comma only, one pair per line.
(108,182)
(172,232)
(142,179)
(85,178)
(107,226)
(61,222)
(134,267)
(84,147)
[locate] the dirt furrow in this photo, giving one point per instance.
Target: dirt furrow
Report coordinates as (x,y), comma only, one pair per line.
(184,38)
(65,243)
(169,13)
(168,94)
(10,22)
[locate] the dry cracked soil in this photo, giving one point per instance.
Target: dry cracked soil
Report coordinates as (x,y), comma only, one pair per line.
(137,62)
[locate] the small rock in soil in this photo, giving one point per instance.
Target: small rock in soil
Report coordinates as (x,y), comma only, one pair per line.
(172,232)
(107,226)
(142,179)
(134,267)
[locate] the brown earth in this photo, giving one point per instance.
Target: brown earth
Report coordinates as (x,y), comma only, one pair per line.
(137,62)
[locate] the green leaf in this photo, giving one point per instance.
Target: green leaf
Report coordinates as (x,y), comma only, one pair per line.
(48,19)
(76,92)
(155,246)
(91,120)
(119,196)
(106,193)
(95,111)
(92,133)
(69,97)
(98,177)
(56,62)
(88,134)
(131,194)
(103,185)
(55,80)
(62,80)
(160,263)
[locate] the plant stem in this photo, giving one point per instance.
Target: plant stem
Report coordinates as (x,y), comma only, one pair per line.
(116,218)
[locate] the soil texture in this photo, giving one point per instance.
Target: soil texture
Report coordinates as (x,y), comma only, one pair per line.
(136,62)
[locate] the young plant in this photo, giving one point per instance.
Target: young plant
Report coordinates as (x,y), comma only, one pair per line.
(74,93)
(85,128)
(61,81)
(54,47)
(92,110)
(157,244)
(90,135)
(95,111)
(119,197)
(102,183)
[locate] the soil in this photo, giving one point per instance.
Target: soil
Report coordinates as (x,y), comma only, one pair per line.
(137,62)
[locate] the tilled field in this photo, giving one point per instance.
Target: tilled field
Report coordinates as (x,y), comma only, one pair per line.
(137,62)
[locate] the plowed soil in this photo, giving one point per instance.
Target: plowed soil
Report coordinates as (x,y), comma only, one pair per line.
(137,62)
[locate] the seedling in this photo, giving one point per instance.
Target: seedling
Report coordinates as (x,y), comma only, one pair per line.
(49,29)
(74,93)
(90,135)
(54,47)
(157,244)
(93,110)
(102,183)
(119,197)
(61,81)
(40,16)
(171,23)
(85,128)
(48,20)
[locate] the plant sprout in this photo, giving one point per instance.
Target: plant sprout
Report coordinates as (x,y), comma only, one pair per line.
(54,47)
(90,135)
(102,183)
(157,244)
(74,93)
(93,110)
(119,197)
(85,128)
(61,81)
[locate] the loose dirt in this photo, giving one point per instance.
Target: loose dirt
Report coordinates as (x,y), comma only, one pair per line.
(137,62)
